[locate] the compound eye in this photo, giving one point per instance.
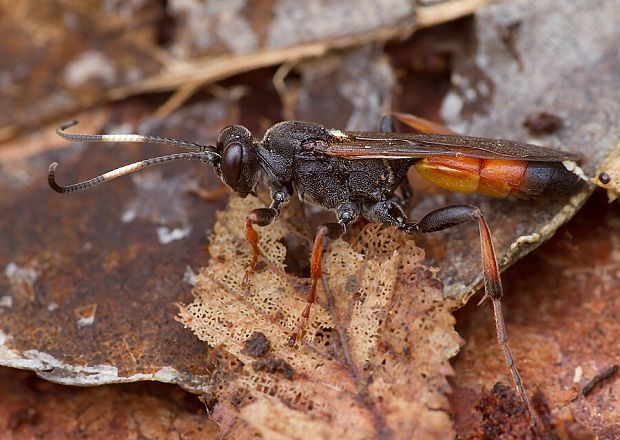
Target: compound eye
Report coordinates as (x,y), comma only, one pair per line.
(231,161)
(604,178)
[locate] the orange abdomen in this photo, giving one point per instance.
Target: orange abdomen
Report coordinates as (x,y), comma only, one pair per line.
(498,177)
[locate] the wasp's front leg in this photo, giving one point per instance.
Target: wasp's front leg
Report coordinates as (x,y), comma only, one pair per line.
(261,217)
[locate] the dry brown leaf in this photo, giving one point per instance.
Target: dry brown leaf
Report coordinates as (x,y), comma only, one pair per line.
(503,78)
(63,55)
(562,309)
(33,408)
(609,176)
(375,356)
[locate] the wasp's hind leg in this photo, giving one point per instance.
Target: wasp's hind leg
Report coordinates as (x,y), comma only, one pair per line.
(387,125)
(448,217)
(387,212)
(346,213)
(419,125)
(406,192)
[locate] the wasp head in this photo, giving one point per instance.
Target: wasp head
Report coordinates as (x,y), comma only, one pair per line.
(239,165)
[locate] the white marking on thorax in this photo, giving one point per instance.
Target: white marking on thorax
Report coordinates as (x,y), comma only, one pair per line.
(337,134)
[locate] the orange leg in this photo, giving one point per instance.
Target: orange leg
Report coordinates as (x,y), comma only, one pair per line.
(330,230)
(448,217)
(420,125)
(260,217)
(315,274)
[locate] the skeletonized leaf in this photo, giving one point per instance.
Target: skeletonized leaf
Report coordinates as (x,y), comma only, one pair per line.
(375,355)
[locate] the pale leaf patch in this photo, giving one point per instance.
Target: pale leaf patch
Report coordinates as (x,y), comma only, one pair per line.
(374,359)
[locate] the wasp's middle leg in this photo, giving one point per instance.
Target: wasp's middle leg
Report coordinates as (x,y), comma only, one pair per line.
(346,213)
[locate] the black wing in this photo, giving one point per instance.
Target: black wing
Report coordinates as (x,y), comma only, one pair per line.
(379,145)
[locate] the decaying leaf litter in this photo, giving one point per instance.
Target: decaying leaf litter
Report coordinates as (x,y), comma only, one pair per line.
(76,56)
(609,176)
(376,349)
(147,355)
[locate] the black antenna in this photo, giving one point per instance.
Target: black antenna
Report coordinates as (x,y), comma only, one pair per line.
(205,153)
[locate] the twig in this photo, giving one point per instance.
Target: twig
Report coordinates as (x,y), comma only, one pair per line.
(596,380)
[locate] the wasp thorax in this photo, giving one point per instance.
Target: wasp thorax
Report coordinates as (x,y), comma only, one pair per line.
(239,162)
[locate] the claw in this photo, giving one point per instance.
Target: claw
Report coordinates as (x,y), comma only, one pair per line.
(293,339)
(246,277)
